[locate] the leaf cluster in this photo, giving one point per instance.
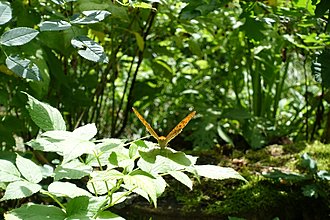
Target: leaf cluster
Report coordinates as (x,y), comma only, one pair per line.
(115,170)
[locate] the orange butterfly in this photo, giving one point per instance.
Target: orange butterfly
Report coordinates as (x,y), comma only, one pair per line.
(163,141)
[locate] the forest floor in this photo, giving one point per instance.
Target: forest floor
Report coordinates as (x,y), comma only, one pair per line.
(293,193)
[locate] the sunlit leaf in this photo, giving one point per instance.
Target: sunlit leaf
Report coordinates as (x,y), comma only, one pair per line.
(217,172)
(90,17)
(5,12)
(32,211)
(89,49)
(72,170)
(8,172)
(18,36)
(54,25)
(20,189)
(28,169)
(66,189)
(45,116)
(23,68)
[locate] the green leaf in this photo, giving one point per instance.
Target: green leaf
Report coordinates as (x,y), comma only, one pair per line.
(224,136)
(101,181)
(108,215)
(20,189)
(45,144)
(90,17)
(86,132)
(133,149)
(103,151)
(144,182)
(45,116)
(18,36)
(323,174)
(142,5)
(69,144)
(8,172)
(182,177)
(309,163)
(32,211)
(5,12)
(277,175)
(28,169)
(65,189)
(54,25)
(89,49)
(23,68)
(216,172)
(77,206)
(139,40)
(72,170)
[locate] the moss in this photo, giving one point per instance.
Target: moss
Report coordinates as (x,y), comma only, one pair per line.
(319,152)
(253,197)
(260,198)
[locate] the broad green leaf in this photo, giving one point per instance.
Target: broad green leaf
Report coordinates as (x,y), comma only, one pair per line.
(216,172)
(20,189)
(18,36)
(23,68)
(8,172)
(103,151)
(75,148)
(77,206)
(46,144)
(102,181)
(143,181)
(67,190)
(89,49)
(54,25)
(67,144)
(5,12)
(133,150)
(155,164)
(108,215)
(72,170)
(160,185)
(28,169)
(45,116)
(85,132)
(32,211)
(120,158)
(182,177)
(90,17)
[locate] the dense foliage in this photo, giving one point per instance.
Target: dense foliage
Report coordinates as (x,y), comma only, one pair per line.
(256,72)
(244,66)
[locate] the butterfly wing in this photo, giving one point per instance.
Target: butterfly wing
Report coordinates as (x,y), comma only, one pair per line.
(146,124)
(177,130)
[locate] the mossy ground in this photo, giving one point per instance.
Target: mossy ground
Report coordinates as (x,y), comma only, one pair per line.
(260,198)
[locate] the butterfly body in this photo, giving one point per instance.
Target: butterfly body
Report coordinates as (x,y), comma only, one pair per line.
(163,141)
